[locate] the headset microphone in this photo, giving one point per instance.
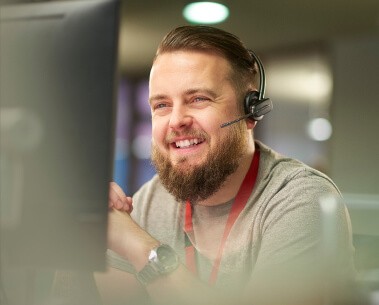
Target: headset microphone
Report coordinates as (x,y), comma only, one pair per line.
(255,104)
(235,121)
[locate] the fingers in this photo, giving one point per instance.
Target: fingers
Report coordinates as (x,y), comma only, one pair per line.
(118,199)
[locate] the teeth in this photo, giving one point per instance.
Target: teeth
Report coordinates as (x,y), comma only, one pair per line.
(187,143)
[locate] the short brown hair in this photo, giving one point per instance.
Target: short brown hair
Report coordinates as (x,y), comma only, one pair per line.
(210,39)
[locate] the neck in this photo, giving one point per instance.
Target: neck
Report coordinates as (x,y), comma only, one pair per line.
(232,184)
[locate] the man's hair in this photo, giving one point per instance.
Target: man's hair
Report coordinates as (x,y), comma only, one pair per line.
(227,45)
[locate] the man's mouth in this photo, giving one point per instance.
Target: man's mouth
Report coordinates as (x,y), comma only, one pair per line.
(188,143)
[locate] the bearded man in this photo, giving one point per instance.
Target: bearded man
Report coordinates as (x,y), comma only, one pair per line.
(226,219)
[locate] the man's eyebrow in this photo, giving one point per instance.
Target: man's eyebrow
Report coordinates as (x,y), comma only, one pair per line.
(157,97)
(201,90)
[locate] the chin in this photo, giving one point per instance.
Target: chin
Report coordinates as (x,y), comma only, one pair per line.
(182,165)
(186,162)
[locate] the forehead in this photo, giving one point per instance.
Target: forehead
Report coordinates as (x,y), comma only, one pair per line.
(187,64)
(193,54)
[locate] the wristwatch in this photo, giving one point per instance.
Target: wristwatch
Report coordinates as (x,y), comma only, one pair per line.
(162,261)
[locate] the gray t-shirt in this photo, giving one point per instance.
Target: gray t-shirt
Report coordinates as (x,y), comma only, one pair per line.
(280,230)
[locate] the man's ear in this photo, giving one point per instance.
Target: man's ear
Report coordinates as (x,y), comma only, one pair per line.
(250,124)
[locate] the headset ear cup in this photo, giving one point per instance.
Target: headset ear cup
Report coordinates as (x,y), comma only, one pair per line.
(250,100)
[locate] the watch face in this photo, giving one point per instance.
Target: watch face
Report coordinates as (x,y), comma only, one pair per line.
(167,258)
(162,260)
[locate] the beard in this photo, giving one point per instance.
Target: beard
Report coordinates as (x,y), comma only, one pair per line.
(199,182)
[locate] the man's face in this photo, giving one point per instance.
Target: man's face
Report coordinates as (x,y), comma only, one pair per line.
(191,95)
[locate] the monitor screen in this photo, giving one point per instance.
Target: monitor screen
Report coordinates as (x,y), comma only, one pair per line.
(57,96)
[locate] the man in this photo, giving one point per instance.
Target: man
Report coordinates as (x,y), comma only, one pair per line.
(243,223)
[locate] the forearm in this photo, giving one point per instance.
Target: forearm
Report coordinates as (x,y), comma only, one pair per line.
(134,244)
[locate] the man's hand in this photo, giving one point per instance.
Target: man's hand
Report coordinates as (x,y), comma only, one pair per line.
(118,200)
(125,236)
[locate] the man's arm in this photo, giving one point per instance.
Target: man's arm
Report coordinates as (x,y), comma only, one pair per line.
(134,244)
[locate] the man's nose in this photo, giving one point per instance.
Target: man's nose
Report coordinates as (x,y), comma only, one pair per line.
(180,117)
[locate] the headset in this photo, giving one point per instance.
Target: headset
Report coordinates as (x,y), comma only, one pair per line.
(256,105)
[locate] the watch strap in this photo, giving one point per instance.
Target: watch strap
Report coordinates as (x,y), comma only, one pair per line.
(147,274)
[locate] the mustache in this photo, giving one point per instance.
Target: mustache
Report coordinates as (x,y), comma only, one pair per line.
(187,133)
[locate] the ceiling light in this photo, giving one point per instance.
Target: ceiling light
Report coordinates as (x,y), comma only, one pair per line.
(205,12)
(319,129)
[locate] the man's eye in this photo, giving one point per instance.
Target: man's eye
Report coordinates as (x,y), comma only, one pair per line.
(160,105)
(200,99)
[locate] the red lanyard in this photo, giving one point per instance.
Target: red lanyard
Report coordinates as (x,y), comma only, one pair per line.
(239,203)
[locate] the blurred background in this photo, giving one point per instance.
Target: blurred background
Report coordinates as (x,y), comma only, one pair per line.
(322,62)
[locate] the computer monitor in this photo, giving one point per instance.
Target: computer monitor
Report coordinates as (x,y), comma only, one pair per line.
(58,82)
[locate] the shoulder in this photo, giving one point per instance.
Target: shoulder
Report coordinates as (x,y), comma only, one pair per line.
(289,206)
(290,193)
(280,172)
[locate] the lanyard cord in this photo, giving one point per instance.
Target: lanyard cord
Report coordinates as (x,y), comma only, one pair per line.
(239,203)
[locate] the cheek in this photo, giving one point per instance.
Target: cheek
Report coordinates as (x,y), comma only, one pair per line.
(209,120)
(158,133)
(214,131)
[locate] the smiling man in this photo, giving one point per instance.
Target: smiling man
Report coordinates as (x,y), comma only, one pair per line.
(226,219)
(186,120)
